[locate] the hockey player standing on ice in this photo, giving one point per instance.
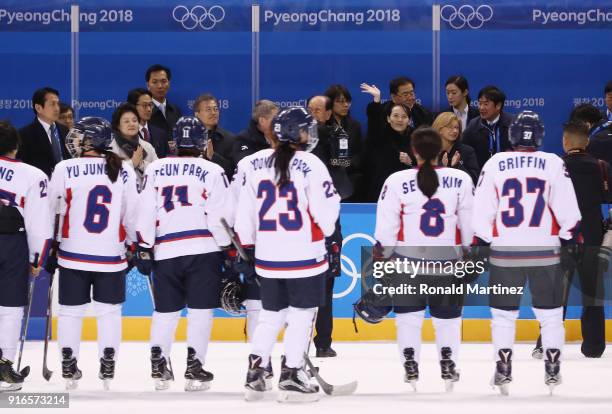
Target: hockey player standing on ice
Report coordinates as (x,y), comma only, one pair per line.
(526,209)
(98,194)
(180,240)
(427,206)
(287,206)
(25,234)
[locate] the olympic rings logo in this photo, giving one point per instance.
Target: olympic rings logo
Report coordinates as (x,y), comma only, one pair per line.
(198,16)
(458,18)
(351,269)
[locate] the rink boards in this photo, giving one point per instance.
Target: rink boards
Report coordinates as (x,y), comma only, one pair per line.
(358,222)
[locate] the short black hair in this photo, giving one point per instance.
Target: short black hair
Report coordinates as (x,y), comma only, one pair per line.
(395,84)
(336,91)
(494,94)
(460,82)
(576,128)
(608,88)
(39,96)
(205,97)
(9,138)
(135,94)
(123,109)
(157,68)
(64,107)
(586,113)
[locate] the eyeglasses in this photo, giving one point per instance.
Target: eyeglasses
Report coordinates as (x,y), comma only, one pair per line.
(342,102)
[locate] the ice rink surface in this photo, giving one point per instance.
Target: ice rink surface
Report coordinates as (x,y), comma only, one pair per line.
(586,388)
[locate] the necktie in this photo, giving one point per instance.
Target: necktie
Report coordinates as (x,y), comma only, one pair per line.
(55,143)
(145,134)
(162,109)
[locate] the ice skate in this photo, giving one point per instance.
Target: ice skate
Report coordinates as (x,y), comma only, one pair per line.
(160,372)
(269,374)
(255,382)
(552,366)
(412,368)
(449,373)
(503,371)
(70,370)
(107,367)
(294,386)
(537,353)
(10,380)
(197,378)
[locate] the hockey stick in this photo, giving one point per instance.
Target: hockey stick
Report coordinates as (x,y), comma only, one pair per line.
(329,389)
(26,317)
(47,373)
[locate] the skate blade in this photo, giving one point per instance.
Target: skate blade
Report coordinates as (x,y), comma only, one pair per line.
(296,397)
(6,387)
(449,385)
(537,354)
(252,395)
(504,389)
(195,385)
(72,384)
(269,384)
(106,384)
(161,385)
(413,384)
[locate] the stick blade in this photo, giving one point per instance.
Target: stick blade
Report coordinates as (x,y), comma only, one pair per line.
(339,390)
(47,374)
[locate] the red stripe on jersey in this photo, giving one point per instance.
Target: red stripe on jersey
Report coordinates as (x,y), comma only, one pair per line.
(315,230)
(554,228)
(66,225)
(400,233)
(157,223)
(122,233)
(457,236)
(495,232)
(22,202)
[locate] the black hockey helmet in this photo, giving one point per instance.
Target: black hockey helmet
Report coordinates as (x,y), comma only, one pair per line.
(526,131)
(369,307)
(232,298)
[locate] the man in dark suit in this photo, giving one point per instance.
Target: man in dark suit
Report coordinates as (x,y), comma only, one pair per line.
(143,101)
(220,142)
(488,134)
(164,114)
(43,140)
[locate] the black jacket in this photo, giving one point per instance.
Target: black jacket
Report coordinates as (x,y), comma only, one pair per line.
(248,142)
(476,135)
(36,148)
(467,159)
(586,175)
(600,142)
(173,113)
(382,159)
(323,150)
(159,139)
(472,113)
(223,146)
(377,116)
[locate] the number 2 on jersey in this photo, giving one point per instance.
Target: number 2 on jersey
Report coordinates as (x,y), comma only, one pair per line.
(513,188)
(268,191)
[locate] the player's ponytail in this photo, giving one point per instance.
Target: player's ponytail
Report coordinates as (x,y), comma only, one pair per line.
(426,143)
(282,157)
(113,165)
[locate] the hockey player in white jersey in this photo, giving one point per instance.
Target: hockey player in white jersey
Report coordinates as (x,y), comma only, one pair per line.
(527,209)
(287,206)
(426,212)
(97,194)
(181,242)
(25,235)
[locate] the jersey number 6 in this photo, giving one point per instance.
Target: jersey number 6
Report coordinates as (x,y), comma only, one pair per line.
(96,215)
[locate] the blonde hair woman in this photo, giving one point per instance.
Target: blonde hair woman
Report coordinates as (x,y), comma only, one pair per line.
(454,154)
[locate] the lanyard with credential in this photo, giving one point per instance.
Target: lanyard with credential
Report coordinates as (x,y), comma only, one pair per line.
(494,140)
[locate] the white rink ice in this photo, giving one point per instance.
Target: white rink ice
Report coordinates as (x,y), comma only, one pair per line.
(586,388)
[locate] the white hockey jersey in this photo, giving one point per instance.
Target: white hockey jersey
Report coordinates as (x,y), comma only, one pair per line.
(97,214)
(406,217)
(288,226)
(181,205)
(525,203)
(236,185)
(26,188)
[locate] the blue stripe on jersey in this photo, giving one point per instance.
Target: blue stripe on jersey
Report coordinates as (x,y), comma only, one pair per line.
(293,265)
(182,235)
(538,254)
(88,258)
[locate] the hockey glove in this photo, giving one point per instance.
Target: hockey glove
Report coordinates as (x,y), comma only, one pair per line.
(246,267)
(143,260)
(51,262)
(479,252)
(333,257)
(230,255)
(570,251)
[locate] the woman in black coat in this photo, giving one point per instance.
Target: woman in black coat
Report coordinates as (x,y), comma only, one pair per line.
(454,154)
(388,153)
